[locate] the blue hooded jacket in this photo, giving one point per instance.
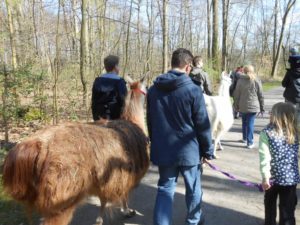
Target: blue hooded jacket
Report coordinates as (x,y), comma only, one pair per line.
(177,120)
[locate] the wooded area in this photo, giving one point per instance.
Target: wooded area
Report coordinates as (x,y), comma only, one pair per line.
(51,50)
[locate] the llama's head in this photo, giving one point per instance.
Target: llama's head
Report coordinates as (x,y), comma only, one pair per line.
(225,78)
(134,103)
(224,84)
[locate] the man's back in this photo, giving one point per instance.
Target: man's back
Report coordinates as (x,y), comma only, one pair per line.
(177,118)
(108,95)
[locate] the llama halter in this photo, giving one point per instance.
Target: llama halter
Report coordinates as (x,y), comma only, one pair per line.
(232,177)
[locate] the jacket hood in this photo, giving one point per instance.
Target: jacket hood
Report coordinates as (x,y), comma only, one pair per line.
(172,80)
(244,76)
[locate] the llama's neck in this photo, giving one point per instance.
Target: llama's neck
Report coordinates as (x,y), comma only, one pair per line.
(139,120)
(224,90)
(134,110)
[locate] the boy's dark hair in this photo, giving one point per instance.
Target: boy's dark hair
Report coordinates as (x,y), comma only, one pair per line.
(110,62)
(181,57)
(196,60)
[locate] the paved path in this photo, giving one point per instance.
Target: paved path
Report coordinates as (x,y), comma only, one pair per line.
(225,202)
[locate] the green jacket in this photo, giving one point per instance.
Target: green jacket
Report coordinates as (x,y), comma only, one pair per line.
(248,95)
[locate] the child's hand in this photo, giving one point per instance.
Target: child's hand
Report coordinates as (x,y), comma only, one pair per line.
(266,185)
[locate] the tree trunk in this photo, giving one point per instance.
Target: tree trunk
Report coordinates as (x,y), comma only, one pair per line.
(75,45)
(208,29)
(14,62)
(84,47)
(127,40)
(290,4)
(275,29)
(101,8)
(4,108)
(225,32)
(56,67)
(139,41)
(36,45)
(149,49)
(215,36)
(165,36)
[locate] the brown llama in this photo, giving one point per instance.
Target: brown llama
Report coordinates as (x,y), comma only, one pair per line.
(56,168)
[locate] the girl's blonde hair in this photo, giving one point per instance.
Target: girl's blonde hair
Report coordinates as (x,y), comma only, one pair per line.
(249,71)
(283,117)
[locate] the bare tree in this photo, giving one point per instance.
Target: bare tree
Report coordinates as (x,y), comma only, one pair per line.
(165,36)
(225,12)
(290,4)
(84,48)
(127,39)
(215,35)
(275,29)
(13,47)
(208,29)
(56,67)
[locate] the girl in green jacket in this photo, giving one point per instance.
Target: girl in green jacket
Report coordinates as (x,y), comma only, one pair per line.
(278,151)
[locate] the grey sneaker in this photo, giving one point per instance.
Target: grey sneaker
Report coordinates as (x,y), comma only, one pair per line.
(243,141)
(251,146)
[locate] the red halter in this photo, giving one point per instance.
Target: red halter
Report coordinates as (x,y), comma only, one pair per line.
(140,91)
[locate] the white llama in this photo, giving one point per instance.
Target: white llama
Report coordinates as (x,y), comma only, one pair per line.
(219,109)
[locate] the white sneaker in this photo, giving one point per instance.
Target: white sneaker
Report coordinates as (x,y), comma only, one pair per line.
(250,146)
(243,141)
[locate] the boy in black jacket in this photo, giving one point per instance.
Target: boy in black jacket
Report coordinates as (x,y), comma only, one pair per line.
(109,91)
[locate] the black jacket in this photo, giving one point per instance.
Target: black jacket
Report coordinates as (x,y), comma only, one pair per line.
(291,82)
(108,96)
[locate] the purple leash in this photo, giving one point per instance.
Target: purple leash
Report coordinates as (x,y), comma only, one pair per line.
(232,177)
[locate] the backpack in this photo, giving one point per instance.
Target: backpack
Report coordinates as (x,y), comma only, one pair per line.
(107,102)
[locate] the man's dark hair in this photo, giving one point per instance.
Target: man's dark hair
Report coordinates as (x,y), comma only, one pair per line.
(110,62)
(196,60)
(181,57)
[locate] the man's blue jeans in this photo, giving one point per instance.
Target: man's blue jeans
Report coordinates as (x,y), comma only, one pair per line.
(248,127)
(166,187)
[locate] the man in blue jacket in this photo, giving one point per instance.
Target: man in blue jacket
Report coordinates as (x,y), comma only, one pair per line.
(180,136)
(109,91)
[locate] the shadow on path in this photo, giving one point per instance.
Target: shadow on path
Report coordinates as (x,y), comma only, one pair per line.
(143,199)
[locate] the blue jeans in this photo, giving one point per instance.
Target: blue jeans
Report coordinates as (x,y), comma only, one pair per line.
(168,176)
(248,127)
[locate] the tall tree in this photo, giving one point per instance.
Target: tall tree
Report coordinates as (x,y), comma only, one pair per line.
(165,36)
(127,39)
(13,47)
(208,29)
(215,35)
(275,29)
(225,12)
(84,48)
(288,8)
(56,66)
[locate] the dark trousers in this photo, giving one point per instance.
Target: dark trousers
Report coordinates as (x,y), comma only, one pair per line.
(287,205)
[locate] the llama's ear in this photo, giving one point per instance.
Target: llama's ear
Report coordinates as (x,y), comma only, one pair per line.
(128,79)
(223,74)
(144,77)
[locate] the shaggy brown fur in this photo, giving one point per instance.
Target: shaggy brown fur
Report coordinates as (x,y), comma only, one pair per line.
(53,170)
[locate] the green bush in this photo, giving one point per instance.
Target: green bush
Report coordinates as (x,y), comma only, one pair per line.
(34,114)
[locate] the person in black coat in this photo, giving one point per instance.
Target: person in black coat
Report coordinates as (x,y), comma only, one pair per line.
(291,80)
(109,91)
